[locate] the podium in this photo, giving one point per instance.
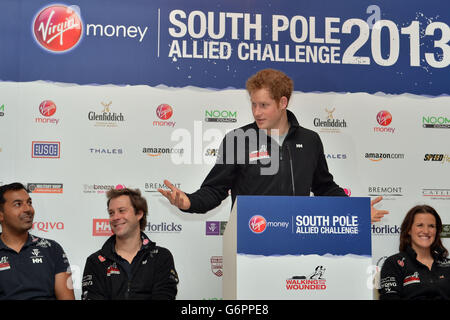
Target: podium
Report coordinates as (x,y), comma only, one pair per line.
(284,247)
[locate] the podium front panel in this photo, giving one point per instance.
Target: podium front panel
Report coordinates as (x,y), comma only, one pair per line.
(303,248)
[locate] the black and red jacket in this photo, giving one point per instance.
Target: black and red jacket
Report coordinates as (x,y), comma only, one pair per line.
(150,276)
(403,277)
(302,167)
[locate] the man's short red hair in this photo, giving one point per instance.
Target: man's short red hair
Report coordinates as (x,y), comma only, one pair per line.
(278,83)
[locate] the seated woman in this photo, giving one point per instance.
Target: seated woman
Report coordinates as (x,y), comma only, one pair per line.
(421,269)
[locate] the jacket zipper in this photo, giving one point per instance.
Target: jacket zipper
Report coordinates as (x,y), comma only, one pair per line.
(127,294)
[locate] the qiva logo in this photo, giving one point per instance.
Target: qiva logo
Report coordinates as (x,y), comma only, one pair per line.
(257,224)
(58,28)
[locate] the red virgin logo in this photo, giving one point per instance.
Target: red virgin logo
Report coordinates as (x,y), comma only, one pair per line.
(164,111)
(257,224)
(384,118)
(57,28)
(47,108)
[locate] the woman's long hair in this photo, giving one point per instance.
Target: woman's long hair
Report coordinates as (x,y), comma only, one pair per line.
(405,238)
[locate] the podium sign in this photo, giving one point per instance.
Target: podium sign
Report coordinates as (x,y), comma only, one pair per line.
(298,248)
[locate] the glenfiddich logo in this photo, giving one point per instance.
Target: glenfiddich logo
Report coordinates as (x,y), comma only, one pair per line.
(330,124)
(106,118)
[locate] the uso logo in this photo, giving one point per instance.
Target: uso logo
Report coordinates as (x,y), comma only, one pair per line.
(47,108)
(384,118)
(45,149)
(57,28)
(164,111)
(257,224)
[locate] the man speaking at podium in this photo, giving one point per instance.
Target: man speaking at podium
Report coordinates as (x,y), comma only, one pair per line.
(274,155)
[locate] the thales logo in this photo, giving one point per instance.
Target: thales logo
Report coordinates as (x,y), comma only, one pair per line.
(257,224)
(58,28)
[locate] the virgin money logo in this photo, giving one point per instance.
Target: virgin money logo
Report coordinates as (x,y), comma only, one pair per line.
(384,118)
(257,224)
(47,108)
(164,111)
(57,28)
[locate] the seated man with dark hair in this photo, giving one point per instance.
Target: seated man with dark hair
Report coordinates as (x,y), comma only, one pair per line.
(30,267)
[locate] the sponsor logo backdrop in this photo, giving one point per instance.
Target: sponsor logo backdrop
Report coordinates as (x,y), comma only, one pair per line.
(104,94)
